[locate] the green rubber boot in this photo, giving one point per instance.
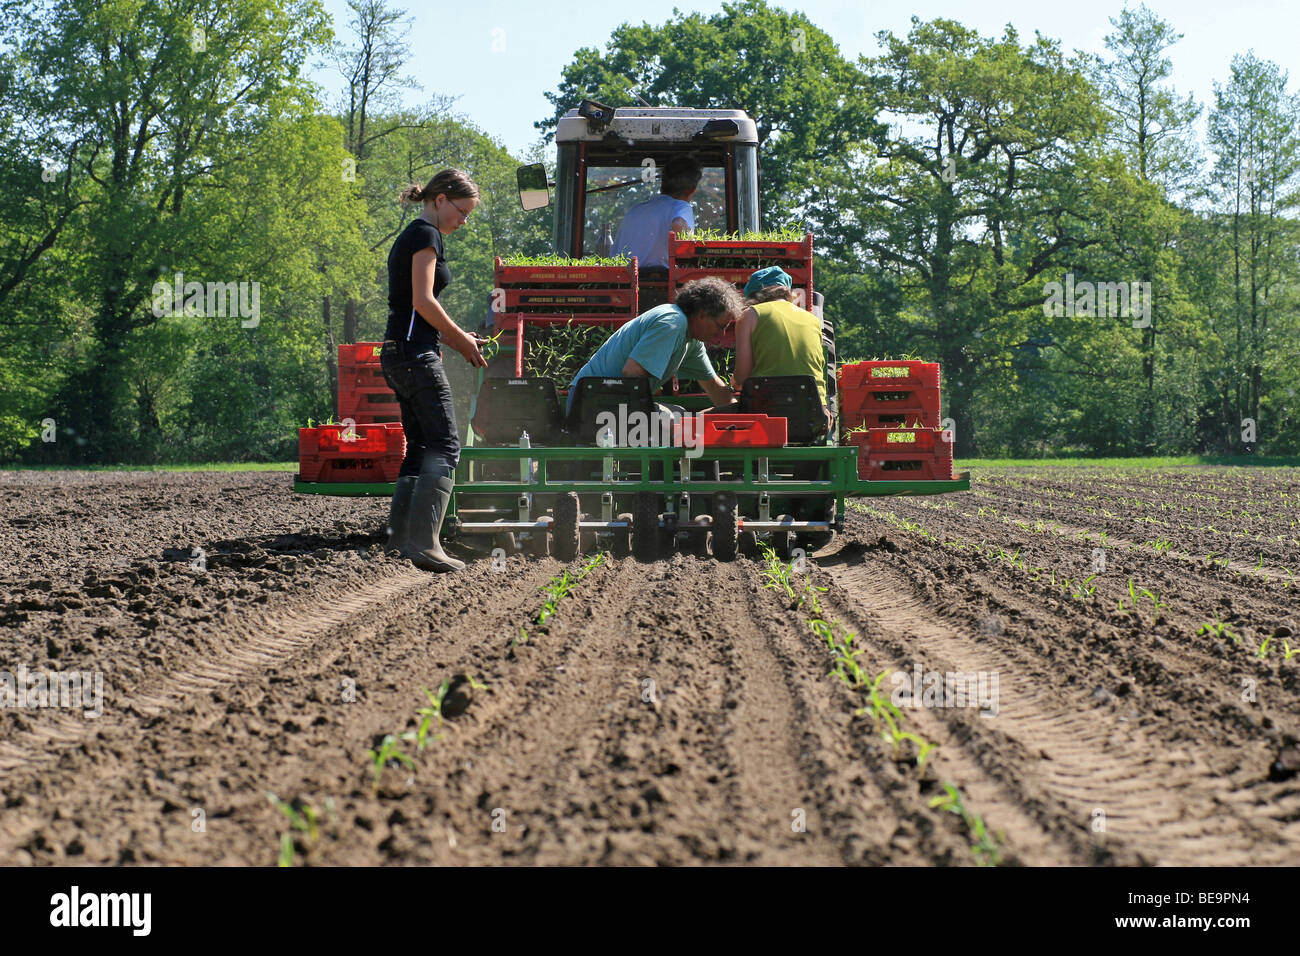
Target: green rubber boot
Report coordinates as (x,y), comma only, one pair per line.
(428,509)
(399,514)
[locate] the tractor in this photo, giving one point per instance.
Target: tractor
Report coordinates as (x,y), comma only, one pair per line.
(533,479)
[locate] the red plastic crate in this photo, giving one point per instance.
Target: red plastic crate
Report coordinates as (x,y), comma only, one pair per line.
(857,405)
(360,353)
(905,439)
(368,402)
(901,464)
(794,250)
(558,275)
(361,377)
(914,417)
(329,454)
(563,289)
(888,373)
(733,431)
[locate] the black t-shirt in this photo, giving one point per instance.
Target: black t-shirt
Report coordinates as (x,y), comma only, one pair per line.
(404,325)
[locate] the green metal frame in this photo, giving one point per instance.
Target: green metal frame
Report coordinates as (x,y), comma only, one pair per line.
(842,462)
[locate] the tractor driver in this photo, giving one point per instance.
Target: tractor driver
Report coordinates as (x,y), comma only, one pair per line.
(645,227)
(668,341)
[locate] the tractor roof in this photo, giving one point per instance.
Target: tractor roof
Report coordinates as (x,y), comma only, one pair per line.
(661,125)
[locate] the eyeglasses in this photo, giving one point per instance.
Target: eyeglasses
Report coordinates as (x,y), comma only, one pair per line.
(464,216)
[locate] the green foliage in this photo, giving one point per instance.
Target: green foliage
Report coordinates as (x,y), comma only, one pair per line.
(1010,164)
(557,260)
(810,104)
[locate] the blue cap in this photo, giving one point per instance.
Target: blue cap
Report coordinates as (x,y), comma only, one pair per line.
(772,275)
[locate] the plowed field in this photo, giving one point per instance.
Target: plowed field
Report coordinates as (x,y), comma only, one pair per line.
(669,712)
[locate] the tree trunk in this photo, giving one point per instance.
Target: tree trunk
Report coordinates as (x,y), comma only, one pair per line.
(331,353)
(351,319)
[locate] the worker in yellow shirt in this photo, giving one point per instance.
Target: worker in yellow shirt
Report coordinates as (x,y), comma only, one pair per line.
(776,337)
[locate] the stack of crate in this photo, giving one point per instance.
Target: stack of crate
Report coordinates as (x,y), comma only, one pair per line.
(903,454)
(368,445)
(536,296)
(890,411)
(364,395)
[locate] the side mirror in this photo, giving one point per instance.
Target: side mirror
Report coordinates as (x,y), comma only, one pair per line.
(533,191)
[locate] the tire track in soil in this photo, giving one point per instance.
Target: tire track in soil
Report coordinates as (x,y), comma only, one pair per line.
(876,806)
(248,648)
(367,632)
(1057,753)
(702,773)
(1181,665)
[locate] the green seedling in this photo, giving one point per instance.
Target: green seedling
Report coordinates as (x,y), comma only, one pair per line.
(1155,599)
(303,820)
(777,573)
(1263,647)
(986,847)
(1217,628)
(790,233)
(555,260)
(388,751)
(428,715)
(557,589)
(286,850)
(1287,652)
(1083,590)
(809,594)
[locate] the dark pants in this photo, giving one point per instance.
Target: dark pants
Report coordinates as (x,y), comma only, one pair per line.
(428,416)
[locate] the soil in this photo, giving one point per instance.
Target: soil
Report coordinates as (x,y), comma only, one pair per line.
(669,712)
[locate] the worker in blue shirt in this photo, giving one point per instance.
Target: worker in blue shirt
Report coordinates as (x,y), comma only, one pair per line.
(668,341)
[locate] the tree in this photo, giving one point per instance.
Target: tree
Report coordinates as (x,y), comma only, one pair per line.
(149,102)
(1255,131)
(809,103)
(975,201)
(1150,127)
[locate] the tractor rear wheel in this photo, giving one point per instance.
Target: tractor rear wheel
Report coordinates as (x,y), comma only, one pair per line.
(726,526)
(645,526)
(564,530)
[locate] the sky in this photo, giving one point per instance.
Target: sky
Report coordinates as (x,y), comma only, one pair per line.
(498,57)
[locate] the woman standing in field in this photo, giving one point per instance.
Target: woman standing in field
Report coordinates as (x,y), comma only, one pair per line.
(418,326)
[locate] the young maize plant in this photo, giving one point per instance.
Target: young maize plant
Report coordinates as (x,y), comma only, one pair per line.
(303,820)
(388,751)
(986,846)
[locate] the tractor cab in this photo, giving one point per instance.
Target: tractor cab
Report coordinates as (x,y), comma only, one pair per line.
(610,160)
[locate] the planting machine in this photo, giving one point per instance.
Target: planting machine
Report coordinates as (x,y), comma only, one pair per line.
(531,478)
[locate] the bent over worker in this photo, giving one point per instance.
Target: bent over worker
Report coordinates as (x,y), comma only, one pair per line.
(668,341)
(776,337)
